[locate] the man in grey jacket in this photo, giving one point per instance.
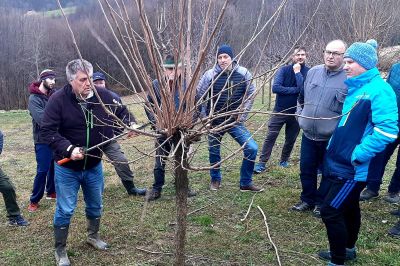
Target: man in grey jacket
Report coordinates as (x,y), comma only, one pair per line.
(320,106)
(40,92)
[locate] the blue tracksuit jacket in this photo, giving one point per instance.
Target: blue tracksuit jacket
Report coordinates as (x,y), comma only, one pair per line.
(368,124)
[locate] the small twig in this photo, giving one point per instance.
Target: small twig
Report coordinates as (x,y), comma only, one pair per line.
(248,210)
(269,236)
(155,252)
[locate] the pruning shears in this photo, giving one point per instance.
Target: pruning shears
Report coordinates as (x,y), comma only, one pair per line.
(83,150)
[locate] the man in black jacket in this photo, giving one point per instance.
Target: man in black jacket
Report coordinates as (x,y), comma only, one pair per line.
(75,120)
(113,150)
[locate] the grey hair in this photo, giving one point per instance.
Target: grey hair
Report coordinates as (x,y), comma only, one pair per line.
(77,65)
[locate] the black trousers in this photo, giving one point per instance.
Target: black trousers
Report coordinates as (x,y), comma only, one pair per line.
(274,127)
(340,212)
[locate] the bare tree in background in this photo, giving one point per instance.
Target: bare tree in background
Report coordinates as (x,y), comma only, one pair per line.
(376,19)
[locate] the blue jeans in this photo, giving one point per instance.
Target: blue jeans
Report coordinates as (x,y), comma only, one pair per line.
(377,169)
(44,173)
(239,133)
(311,157)
(67,187)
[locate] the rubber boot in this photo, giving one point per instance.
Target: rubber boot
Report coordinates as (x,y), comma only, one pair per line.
(132,190)
(60,236)
(93,239)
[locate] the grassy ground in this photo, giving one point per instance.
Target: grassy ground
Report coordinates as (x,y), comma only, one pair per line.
(216,235)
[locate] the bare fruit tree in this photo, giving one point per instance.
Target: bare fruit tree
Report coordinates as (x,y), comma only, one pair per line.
(191,39)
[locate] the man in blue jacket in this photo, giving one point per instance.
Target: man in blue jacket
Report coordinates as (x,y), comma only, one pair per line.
(288,82)
(380,161)
(73,121)
(394,186)
(227,94)
(367,125)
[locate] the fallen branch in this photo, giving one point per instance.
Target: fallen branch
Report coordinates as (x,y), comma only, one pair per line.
(269,236)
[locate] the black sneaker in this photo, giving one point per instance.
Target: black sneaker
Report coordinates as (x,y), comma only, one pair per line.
(301,206)
(317,211)
(392,198)
(137,191)
(326,255)
(152,195)
(395,230)
(368,194)
(17,221)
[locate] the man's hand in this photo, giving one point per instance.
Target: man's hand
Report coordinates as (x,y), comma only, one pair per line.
(77,154)
(133,133)
(296,68)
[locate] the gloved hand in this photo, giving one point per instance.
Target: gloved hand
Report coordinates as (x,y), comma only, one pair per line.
(77,154)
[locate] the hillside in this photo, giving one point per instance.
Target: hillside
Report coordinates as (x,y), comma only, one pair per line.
(42,5)
(142,234)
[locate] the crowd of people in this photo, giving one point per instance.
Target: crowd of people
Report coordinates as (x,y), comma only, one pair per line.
(347,112)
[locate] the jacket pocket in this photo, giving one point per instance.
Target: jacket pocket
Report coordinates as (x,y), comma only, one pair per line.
(336,104)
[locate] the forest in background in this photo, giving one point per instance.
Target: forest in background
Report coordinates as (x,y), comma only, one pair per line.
(39,39)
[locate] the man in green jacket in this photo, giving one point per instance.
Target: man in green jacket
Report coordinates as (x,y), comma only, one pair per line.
(10,198)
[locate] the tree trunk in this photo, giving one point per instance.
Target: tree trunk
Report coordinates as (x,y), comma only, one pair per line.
(181,186)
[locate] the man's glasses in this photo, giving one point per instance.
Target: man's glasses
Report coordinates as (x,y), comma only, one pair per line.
(333,53)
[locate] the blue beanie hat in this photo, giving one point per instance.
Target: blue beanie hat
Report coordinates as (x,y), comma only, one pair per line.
(373,42)
(225,49)
(363,53)
(98,76)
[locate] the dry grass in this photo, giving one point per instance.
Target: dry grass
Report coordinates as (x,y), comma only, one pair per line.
(216,236)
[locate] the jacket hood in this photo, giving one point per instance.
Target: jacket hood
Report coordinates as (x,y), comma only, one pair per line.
(34,89)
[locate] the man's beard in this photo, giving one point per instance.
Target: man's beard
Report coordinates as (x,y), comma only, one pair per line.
(46,86)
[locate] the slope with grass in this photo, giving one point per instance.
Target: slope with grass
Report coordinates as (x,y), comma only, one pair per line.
(142,234)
